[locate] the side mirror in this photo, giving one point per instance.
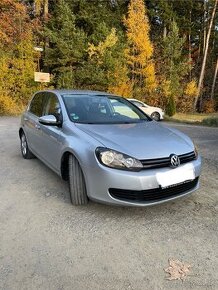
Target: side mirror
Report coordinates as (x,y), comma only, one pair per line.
(49,120)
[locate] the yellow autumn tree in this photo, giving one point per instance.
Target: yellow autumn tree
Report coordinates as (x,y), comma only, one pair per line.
(186,101)
(98,51)
(108,60)
(191,89)
(17,77)
(121,84)
(140,49)
(17,57)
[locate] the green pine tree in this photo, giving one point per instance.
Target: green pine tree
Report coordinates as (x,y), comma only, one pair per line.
(67,46)
(174,65)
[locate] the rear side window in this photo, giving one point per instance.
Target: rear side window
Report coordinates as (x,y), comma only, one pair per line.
(137,104)
(52,106)
(36,105)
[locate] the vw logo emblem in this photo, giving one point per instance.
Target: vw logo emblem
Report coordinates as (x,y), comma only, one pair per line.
(174,161)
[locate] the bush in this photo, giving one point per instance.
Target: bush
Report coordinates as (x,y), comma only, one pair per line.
(8,106)
(171,107)
(185,103)
(208,106)
(213,121)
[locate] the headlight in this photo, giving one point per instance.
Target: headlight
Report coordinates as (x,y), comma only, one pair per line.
(114,159)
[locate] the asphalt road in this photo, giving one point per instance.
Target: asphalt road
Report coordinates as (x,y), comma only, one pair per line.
(46,243)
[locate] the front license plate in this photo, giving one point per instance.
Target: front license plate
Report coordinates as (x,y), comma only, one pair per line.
(175,176)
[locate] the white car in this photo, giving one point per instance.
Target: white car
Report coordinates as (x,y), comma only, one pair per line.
(155,113)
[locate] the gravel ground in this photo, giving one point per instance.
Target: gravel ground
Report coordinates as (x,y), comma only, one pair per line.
(46,243)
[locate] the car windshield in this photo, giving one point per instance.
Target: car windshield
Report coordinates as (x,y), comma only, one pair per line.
(101,109)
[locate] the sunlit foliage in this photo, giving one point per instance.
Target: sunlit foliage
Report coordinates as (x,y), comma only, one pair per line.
(17,59)
(140,49)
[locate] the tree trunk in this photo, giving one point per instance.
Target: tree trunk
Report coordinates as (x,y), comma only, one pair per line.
(205,25)
(45,9)
(214,80)
(164,32)
(201,78)
(39,5)
(190,47)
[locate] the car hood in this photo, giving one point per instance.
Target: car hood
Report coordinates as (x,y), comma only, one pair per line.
(141,140)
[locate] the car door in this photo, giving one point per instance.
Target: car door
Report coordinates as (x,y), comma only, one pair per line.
(51,135)
(31,123)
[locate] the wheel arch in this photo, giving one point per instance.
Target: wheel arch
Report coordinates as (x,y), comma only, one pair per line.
(64,164)
(20,132)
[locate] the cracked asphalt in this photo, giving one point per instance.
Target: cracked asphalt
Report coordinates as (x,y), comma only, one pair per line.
(46,243)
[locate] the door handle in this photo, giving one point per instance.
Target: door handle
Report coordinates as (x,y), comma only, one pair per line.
(25,119)
(37,127)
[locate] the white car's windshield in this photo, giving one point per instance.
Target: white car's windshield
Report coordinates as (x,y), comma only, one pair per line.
(100,109)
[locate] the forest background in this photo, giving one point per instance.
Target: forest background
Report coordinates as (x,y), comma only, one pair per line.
(163,52)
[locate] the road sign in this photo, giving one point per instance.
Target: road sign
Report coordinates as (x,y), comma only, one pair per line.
(41,77)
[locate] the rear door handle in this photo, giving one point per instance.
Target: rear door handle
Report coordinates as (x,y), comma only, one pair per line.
(37,127)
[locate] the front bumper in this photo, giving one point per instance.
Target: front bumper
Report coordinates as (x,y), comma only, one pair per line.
(100,179)
(162,115)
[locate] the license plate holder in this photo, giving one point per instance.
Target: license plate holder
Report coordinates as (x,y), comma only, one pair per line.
(173,177)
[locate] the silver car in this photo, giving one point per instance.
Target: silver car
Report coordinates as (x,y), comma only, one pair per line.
(107,149)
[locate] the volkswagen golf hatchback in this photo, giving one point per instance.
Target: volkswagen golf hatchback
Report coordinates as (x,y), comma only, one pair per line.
(107,149)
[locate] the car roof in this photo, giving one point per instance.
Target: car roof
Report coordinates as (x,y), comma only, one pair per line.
(134,100)
(79,92)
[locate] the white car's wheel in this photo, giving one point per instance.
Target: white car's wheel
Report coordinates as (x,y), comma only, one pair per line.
(155,116)
(77,183)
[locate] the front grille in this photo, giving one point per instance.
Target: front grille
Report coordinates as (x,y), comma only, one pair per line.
(155,194)
(165,162)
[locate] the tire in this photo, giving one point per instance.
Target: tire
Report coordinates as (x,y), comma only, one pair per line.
(25,151)
(77,185)
(155,116)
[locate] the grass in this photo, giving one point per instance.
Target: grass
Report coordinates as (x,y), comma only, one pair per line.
(196,118)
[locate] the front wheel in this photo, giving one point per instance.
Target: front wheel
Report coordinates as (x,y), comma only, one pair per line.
(26,153)
(77,185)
(155,116)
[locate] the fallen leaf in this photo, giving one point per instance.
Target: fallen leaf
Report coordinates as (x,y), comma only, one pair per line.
(177,270)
